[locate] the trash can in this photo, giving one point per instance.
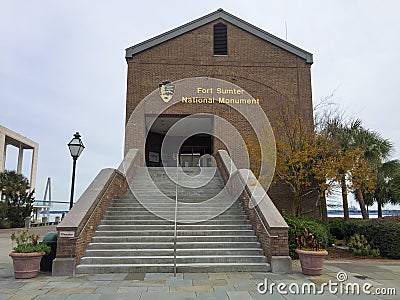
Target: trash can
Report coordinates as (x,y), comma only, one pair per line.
(50,239)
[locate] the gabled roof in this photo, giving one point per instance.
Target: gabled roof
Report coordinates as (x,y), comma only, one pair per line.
(219,14)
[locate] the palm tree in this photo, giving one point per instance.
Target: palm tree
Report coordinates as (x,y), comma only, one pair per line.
(362,152)
(376,149)
(387,186)
(341,136)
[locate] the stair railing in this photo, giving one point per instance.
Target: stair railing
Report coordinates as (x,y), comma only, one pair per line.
(176,211)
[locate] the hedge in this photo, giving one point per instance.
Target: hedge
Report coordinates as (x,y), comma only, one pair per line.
(336,228)
(383,234)
(296,227)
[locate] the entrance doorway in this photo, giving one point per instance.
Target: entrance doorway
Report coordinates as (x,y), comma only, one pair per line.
(190,153)
(189,159)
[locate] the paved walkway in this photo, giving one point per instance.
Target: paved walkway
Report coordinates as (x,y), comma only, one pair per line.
(381,275)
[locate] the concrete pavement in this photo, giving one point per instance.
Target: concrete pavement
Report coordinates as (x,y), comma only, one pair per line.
(382,275)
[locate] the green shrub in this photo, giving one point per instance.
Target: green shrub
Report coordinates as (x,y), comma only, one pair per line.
(18,199)
(361,247)
(4,223)
(351,227)
(297,226)
(27,243)
(336,228)
(20,206)
(382,234)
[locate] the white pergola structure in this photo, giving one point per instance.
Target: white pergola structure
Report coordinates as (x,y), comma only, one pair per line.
(9,137)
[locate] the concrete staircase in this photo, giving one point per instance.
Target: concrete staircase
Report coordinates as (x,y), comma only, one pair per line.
(132,239)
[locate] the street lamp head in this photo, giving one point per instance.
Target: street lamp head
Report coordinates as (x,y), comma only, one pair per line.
(76,146)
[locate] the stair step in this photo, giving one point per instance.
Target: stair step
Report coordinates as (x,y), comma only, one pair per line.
(170,259)
(138,236)
(160,222)
(170,213)
(164,238)
(192,211)
(171,208)
(154,217)
(170,251)
(180,232)
(124,268)
(136,203)
(169,268)
(170,226)
(170,245)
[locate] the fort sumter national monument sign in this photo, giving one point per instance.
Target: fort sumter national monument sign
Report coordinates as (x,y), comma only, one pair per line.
(188,118)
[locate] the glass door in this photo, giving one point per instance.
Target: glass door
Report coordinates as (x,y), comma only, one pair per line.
(190,159)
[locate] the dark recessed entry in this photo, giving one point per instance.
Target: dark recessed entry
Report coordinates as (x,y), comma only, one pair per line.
(192,149)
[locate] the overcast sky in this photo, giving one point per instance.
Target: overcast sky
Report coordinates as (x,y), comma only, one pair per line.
(62,68)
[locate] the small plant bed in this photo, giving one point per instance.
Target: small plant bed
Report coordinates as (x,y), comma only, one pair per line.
(28,243)
(356,248)
(361,247)
(382,236)
(27,254)
(311,253)
(296,230)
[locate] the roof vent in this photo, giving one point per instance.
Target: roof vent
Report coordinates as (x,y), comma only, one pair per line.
(220,39)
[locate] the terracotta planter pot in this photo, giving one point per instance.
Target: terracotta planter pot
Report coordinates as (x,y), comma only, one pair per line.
(312,262)
(26,265)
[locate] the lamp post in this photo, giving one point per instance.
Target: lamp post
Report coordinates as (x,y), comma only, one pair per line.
(75,148)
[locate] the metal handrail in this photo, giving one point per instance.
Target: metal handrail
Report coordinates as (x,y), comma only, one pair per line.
(176,212)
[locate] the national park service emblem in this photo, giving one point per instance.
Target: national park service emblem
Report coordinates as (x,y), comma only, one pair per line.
(166,90)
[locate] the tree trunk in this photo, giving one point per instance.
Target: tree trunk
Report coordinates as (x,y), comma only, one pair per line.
(379,208)
(360,199)
(324,210)
(293,206)
(345,201)
(296,204)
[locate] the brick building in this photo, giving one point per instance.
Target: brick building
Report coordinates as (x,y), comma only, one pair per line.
(222,51)
(217,83)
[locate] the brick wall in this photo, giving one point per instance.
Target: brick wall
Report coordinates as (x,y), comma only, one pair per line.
(76,246)
(274,241)
(85,216)
(277,77)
